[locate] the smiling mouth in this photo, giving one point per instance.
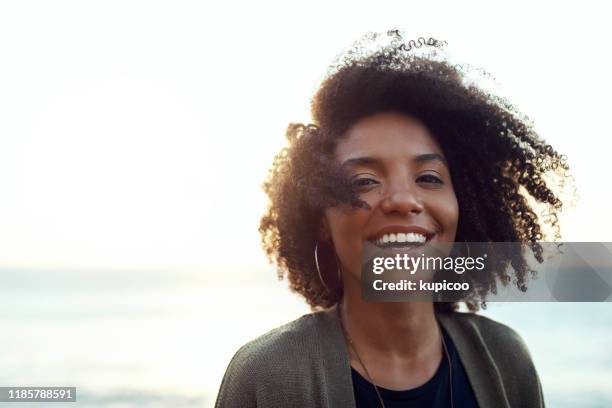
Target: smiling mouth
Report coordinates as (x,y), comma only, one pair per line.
(401,240)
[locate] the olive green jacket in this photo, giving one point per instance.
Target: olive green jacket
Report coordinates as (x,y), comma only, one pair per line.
(305,363)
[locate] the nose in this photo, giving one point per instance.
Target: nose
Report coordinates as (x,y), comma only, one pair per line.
(403,200)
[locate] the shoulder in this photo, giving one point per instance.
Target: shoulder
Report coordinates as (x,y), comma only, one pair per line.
(494,333)
(274,361)
(503,343)
(482,341)
(279,343)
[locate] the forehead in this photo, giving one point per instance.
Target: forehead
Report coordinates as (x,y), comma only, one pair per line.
(387,135)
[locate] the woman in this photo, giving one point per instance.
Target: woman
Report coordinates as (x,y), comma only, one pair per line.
(401,149)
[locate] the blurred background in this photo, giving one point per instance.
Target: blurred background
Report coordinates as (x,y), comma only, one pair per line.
(134,138)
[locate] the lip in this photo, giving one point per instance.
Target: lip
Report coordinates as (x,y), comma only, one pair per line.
(394,229)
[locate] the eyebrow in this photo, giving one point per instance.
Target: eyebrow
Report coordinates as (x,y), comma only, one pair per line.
(367,160)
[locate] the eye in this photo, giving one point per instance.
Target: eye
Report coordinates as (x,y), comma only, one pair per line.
(363,183)
(430,179)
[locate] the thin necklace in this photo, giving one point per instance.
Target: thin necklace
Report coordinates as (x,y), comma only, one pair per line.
(382,403)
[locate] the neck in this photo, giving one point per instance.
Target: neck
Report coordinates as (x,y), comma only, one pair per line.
(403,329)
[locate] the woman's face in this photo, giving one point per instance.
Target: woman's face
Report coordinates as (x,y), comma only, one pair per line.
(399,170)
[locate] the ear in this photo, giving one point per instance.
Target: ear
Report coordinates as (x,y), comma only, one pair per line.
(324,234)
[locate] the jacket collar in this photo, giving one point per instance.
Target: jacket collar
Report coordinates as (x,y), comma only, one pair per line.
(482,372)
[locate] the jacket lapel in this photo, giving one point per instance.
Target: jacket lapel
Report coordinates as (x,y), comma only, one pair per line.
(479,365)
(335,361)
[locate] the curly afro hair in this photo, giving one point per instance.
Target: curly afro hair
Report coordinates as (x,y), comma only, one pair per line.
(496,160)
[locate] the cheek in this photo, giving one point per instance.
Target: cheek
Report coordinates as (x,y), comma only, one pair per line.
(444,208)
(448,211)
(345,225)
(347,230)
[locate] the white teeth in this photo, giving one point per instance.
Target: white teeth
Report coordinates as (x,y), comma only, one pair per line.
(402,237)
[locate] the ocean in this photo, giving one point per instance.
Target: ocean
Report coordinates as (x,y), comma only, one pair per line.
(164,338)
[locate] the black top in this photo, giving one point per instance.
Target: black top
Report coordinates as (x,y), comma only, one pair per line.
(434,393)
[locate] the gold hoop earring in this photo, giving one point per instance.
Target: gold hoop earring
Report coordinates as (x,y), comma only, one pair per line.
(316,256)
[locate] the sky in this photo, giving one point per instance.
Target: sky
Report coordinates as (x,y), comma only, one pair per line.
(136,135)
